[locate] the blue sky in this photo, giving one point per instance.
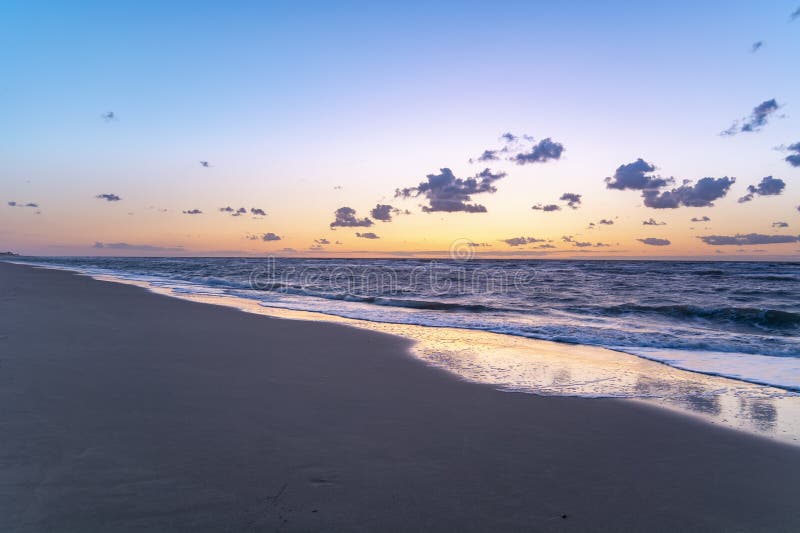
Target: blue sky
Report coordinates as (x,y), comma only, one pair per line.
(289,99)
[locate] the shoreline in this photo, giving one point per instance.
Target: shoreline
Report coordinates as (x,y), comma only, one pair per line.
(126,410)
(594,372)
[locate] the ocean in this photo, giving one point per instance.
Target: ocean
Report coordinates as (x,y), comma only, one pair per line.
(739,320)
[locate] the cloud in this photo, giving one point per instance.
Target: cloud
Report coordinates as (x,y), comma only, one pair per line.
(701,194)
(750,238)
(700,219)
(367,235)
(768,186)
(509,137)
(322,241)
(606,222)
(205,164)
(239,212)
(383,212)
(227,209)
(520,241)
(652,222)
(795,14)
(757,119)
(447,193)
(653,241)
(487,155)
(288,250)
(108,197)
(794,159)
(337,187)
(546,208)
(193,212)
(270,237)
(580,244)
(573,200)
(109,116)
(258,212)
(136,247)
(636,176)
(780,225)
(19,204)
(345,217)
(544,151)
(756,46)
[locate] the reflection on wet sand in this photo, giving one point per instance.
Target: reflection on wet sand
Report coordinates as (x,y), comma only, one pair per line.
(517,364)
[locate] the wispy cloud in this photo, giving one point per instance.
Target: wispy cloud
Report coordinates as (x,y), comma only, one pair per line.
(654,241)
(367,235)
(546,208)
(521,241)
(136,247)
(756,46)
(109,197)
(758,118)
(750,238)
(193,212)
(653,222)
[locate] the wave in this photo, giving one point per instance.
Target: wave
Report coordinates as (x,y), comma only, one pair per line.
(761,318)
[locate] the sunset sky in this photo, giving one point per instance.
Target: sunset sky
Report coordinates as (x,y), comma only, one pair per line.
(300,109)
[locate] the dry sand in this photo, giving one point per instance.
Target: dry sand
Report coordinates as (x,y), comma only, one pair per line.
(122,410)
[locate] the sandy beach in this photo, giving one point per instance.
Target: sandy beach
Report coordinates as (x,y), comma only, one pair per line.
(123,410)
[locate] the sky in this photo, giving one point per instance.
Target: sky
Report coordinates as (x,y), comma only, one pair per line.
(130,127)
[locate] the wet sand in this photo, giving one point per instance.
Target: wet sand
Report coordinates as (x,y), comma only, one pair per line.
(123,410)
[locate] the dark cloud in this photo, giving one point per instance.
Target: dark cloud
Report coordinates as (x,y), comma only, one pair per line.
(573,200)
(780,225)
(750,238)
(108,197)
(345,217)
(322,242)
(367,235)
(756,46)
(270,237)
(701,194)
(205,164)
(12,204)
(227,209)
(653,241)
(546,208)
(606,222)
(239,212)
(136,247)
(700,219)
(109,116)
(545,150)
(18,204)
(637,176)
(793,159)
(652,222)
(31,204)
(768,186)
(258,212)
(795,14)
(520,241)
(757,119)
(487,155)
(193,212)
(509,137)
(581,244)
(447,193)
(383,212)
